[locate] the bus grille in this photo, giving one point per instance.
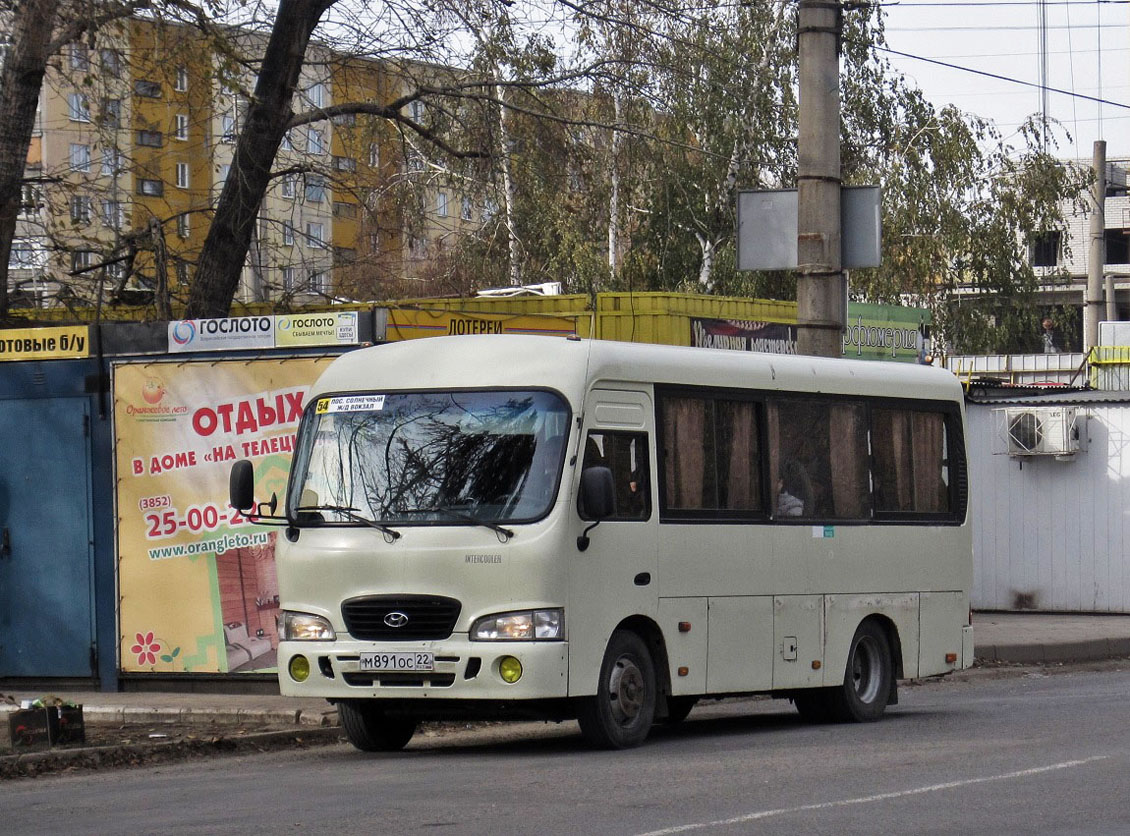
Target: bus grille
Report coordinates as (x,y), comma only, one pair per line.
(427,617)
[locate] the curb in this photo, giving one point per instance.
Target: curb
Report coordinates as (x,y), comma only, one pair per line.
(30,764)
(1090,650)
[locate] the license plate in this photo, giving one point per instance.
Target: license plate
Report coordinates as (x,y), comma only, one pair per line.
(413,661)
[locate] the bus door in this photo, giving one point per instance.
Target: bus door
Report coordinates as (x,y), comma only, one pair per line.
(615,576)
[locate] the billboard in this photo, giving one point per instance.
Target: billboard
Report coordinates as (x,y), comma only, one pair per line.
(196,580)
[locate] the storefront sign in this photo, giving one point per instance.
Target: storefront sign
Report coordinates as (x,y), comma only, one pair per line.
(61,343)
(412,324)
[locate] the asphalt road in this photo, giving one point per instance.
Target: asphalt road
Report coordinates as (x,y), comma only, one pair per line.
(1031,753)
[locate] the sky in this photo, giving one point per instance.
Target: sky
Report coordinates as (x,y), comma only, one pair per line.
(1088,53)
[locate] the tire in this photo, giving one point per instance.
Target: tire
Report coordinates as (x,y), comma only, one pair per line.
(620,715)
(678,708)
(371,730)
(866,689)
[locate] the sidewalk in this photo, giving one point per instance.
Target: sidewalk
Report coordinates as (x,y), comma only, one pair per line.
(1020,638)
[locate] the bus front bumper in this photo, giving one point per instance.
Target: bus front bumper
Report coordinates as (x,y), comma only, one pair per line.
(463,670)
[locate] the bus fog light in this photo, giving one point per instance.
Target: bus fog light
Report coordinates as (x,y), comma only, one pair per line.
(510,669)
(299,668)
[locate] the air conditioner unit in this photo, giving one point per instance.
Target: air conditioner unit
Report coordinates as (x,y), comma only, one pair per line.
(1042,431)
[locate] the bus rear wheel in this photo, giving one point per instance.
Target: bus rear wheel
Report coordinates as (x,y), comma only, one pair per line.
(866,689)
(621,713)
(370,729)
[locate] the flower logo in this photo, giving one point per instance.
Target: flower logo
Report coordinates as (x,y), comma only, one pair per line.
(146,648)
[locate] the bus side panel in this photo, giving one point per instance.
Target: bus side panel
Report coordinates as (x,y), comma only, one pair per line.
(944,614)
(843,614)
(740,654)
(685,649)
(798,641)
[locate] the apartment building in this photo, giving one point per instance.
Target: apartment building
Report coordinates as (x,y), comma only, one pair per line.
(135,139)
(1063,259)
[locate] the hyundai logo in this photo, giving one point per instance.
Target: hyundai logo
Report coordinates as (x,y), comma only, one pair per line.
(396,619)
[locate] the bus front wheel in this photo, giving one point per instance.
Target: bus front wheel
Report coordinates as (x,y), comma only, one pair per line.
(370,729)
(621,713)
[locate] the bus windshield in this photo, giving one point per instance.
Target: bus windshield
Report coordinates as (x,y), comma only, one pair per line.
(434,458)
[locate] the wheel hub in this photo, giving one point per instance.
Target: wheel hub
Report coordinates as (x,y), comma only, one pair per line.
(626,687)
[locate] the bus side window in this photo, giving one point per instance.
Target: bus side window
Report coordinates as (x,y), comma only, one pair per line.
(625,454)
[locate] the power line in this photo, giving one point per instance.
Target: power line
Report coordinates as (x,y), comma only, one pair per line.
(1096,99)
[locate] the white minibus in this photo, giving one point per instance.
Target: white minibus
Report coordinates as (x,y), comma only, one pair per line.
(533,526)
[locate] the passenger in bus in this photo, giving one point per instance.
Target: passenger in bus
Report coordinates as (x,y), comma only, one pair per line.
(790,491)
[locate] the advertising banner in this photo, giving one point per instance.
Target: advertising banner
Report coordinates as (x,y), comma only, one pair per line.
(316,329)
(257,332)
(412,324)
(744,335)
(874,332)
(61,343)
(197,583)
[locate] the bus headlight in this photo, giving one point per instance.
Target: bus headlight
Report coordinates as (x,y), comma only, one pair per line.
(526,625)
(303,626)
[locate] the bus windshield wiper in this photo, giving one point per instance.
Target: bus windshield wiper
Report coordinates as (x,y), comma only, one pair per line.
(390,534)
(503,533)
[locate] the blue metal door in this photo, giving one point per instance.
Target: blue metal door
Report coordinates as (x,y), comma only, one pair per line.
(46,551)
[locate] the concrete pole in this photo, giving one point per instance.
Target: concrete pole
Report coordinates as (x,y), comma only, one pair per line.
(821,288)
(1096,257)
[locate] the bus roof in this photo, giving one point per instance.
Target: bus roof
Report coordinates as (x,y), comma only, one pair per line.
(571,365)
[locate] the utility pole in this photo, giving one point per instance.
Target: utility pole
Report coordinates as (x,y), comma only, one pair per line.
(1096,256)
(821,284)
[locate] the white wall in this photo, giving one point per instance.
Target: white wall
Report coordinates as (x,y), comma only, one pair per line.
(1055,532)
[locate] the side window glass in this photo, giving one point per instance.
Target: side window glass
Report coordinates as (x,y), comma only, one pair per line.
(819,466)
(911,471)
(711,457)
(625,454)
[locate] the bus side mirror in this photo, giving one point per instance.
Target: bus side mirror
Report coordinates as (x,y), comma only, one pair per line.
(597,499)
(241,486)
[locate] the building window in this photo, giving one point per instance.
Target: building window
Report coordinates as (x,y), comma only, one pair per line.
(181,85)
(320,282)
(149,89)
(287,143)
(23,255)
(315,141)
(183,229)
(151,139)
(315,234)
(80,157)
(182,272)
(80,57)
(345,164)
(346,119)
(288,278)
(374,155)
(82,260)
(316,93)
(182,175)
(181,129)
(111,161)
(287,235)
(467,209)
(286,187)
(416,110)
(1117,251)
(30,201)
(80,209)
(150,188)
(111,63)
(1045,249)
(112,112)
(315,189)
(227,128)
(345,210)
(78,107)
(441,204)
(113,214)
